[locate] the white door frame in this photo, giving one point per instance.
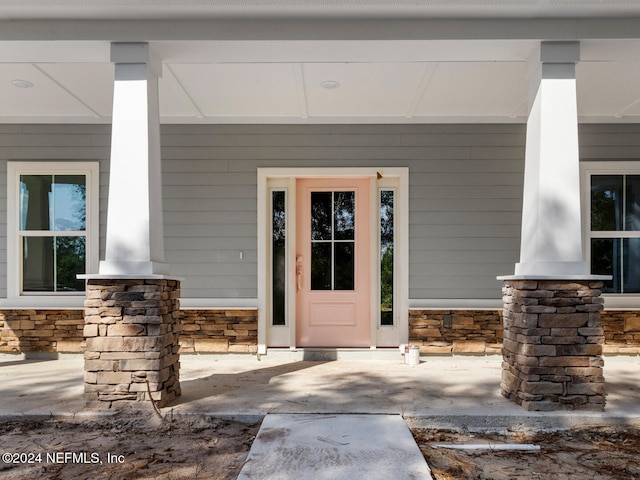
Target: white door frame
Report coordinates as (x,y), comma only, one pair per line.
(273,179)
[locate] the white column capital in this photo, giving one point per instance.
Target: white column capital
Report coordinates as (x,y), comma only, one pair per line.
(123,53)
(559,52)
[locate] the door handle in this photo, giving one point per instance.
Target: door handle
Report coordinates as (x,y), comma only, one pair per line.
(299,272)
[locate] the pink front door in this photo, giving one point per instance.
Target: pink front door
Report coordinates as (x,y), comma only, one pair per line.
(333,270)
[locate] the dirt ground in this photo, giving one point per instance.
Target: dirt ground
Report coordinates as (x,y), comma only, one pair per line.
(603,453)
(142,446)
(124,447)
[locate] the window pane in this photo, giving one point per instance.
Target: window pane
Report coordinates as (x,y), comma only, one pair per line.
(69,203)
(49,202)
(35,194)
(632,204)
(70,261)
(38,264)
(606,202)
(344,266)
(321,266)
(279,257)
(386,257)
(631,265)
(344,214)
(321,216)
(50,264)
(605,260)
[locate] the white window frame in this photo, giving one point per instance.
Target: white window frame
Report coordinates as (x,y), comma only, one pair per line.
(588,169)
(91,170)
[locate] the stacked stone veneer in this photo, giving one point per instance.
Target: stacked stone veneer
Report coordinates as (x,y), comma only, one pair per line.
(621,332)
(456,331)
(132,329)
(41,331)
(553,344)
(437,332)
(219,331)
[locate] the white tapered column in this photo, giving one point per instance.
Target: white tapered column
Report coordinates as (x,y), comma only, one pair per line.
(551,313)
(134,240)
(551,243)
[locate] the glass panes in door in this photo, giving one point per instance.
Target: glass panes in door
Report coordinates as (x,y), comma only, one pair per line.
(332,240)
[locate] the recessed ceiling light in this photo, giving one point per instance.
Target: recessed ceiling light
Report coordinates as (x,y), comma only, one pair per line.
(329,84)
(21,83)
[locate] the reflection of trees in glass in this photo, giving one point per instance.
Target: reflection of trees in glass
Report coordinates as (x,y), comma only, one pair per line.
(70,261)
(632,203)
(69,202)
(321,266)
(603,259)
(344,266)
(332,234)
(386,256)
(279,223)
(630,261)
(344,215)
(321,215)
(606,198)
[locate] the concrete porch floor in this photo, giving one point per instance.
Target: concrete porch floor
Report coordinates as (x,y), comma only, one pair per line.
(443,392)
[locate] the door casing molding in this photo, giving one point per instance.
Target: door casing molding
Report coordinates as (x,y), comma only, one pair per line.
(269,179)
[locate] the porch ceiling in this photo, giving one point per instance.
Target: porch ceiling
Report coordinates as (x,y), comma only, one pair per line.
(269,61)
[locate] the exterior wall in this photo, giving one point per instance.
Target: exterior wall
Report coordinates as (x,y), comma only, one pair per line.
(41,331)
(465,198)
(456,331)
(220,331)
(621,332)
(465,186)
(436,332)
(465,192)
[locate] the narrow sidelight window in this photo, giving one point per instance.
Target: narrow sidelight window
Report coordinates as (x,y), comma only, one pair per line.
(278,256)
(387,260)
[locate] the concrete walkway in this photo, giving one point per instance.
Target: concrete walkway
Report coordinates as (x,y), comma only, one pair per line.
(446,392)
(334,447)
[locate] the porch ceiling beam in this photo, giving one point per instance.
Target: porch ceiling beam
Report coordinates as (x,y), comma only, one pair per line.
(292,28)
(313,51)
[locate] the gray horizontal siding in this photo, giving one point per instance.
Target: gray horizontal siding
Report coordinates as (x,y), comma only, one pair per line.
(465,192)
(465,198)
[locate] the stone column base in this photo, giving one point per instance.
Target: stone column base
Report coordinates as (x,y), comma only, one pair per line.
(552,348)
(131,330)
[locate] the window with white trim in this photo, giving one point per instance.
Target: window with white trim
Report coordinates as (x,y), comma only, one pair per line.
(613,223)
(52,226)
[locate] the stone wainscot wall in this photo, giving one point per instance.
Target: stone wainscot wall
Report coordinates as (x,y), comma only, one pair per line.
(436,332)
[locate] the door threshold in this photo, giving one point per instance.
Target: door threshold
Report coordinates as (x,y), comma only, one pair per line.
(329,354)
